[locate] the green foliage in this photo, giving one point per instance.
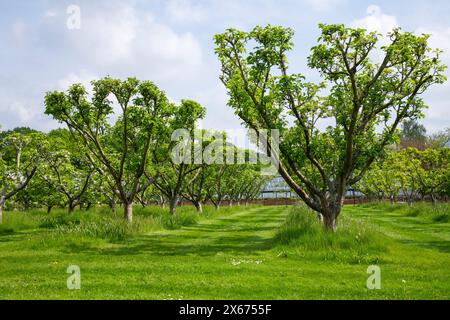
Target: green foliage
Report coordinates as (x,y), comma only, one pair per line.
(120,152)
(19,158)
(366,100)
(413,173)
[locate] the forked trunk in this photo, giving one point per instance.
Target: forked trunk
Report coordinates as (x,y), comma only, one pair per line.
(128,212)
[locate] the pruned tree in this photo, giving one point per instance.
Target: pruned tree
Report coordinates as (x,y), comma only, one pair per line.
(366,101)
(430,170)
(194,190)
(119,152)
(65,169)
(19,160)
(176,157)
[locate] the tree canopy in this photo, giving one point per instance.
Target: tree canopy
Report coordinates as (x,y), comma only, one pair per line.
(366,99)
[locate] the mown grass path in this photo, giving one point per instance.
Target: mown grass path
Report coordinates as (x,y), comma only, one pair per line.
(409,230)
(230,257)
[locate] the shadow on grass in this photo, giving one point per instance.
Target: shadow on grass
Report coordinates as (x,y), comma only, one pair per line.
(181,245)
(227,235)
(437,245)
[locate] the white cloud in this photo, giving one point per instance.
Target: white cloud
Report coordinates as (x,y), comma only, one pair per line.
(107,36)
(84,77)
(23,111)
(376,20)
(135,42)
(184,11)
(324,5)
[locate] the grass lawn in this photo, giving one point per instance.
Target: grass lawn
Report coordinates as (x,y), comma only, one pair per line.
(236,255)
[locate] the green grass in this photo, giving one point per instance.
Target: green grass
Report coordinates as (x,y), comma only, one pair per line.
(439,213)
(352,243)
(236,253)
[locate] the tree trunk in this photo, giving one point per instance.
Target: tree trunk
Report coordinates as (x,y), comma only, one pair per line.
(320,216)
(434,199)
(113,207)
(128,212)
(1,213)
(198,205)
(330,221)
(49,209)
(173,205)
(331,213)
(71,207)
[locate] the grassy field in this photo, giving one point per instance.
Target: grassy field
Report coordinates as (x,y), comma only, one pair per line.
(237,253)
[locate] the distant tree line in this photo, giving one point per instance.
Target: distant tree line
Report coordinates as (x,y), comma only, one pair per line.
(416,169)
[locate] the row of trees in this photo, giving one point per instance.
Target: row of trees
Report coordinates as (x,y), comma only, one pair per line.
(98,161)
(410,174)
(370,85)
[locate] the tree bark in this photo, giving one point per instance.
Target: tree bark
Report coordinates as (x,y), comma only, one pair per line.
(198,205)
(329,221)
(113,207)
(320,216)
(173,205)
(49,209)
(331,213)
(433,198)
(71,207)
(128,212)
(1,213)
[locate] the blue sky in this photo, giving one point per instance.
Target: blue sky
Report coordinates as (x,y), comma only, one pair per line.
(170,43)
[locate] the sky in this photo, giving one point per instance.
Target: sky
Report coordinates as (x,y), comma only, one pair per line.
(45,47)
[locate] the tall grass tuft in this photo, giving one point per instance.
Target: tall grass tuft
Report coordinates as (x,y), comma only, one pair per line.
(352,242)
